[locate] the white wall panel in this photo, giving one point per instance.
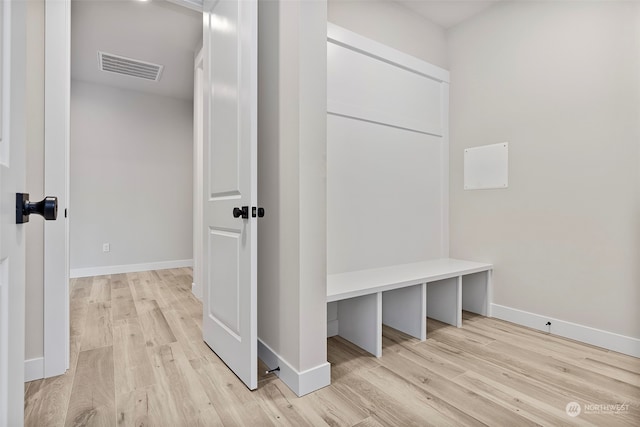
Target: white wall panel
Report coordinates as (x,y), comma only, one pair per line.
(387,192)
(360,85)
(486,167)
(384,200)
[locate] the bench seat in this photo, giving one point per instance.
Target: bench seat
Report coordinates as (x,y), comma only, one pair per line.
(402,296)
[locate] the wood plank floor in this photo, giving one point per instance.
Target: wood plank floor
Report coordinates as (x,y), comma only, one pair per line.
(137,359)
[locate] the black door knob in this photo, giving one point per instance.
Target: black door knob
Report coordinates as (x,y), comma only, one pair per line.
(47,207)
(241,212)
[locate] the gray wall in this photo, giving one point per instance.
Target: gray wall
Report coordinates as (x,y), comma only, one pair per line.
(131,177)
(34,314)
(392,24)
(560,82)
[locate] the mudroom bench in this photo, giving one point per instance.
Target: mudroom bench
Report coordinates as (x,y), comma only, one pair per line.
(402,296)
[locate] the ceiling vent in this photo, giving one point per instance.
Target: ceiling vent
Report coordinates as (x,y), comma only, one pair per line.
(129,67)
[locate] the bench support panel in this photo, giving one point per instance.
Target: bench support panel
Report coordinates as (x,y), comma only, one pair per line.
(360,321)
(475,293)
(405,309)
(444,301)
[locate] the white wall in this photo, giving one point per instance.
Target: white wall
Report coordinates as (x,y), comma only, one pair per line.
(292,188)
(131,177)
(560,81)
(392,24)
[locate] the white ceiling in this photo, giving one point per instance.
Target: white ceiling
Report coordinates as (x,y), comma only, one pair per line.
(447,13)
(156,31)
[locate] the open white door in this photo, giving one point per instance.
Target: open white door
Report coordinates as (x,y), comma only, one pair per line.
(230,184)
(12,181)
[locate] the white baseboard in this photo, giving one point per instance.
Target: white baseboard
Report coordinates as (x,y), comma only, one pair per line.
(300,383)
(197,291)
(586,334)
(34,369)
(128,268)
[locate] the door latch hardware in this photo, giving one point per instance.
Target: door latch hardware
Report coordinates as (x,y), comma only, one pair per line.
(241,212)
(47,207)
(257,212)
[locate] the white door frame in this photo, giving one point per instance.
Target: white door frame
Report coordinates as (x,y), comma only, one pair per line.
(57,120)
(198,130)
(13,123)
(56,176)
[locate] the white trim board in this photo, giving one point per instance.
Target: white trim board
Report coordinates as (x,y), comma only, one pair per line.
(354,41)
(34,369)
(300,383)
(129,268)
(574,331)
(197,290)
(444,230)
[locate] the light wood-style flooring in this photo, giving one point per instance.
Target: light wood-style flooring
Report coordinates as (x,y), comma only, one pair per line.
(137,359)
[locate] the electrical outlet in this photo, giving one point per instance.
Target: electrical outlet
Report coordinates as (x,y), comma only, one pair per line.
(106,247)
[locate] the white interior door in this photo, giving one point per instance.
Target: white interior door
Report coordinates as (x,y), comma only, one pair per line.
(12,180)
(230,184)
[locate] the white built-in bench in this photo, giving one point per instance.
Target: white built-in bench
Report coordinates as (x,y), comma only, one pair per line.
(402,296)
